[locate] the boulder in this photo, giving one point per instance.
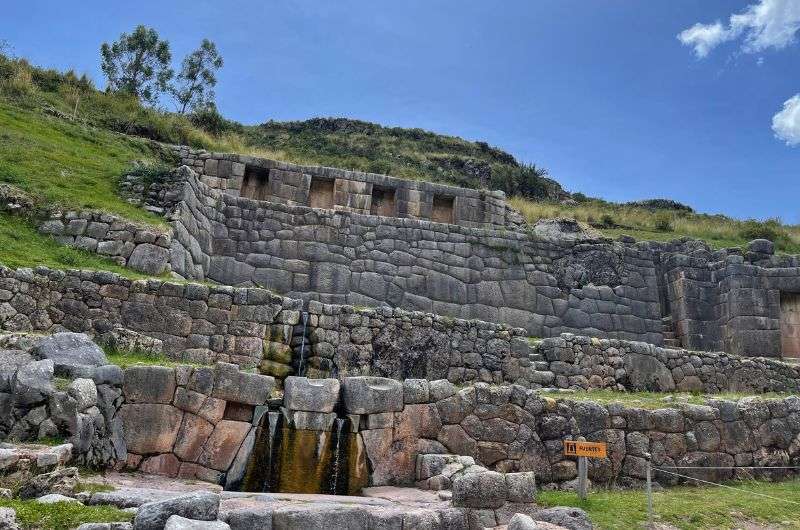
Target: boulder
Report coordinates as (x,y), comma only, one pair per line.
(480,490)
(320,516)
(62,480)
(761,246)
(149,259)
(645,372)
(522,522)
(176,522)
(52,498)
(68,351)
(369,395)
(84,392)
(311,395)
(201,506)
(570,518)
(521,486)
(33,382)
(230,384)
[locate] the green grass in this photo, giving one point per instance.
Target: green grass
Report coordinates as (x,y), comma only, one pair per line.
(654,400)
(127,359)
(21,245)
(62,515)
(688,507)
(93,487)
(64,163)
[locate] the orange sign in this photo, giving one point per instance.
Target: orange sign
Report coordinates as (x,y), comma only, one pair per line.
(589,449)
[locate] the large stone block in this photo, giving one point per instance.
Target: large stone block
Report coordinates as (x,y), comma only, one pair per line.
(149,384)
(33,383)
(69,351)
(480,490)
(148,258)
(369,395)
(223,444)
(150,428)
(231,384)
(312,395)
(201,506)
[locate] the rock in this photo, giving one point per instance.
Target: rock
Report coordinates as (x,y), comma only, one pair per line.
(33,382)
(564,229)
(320,517)
(370,395)
(84,392)
(522,522)
(148,258)
(53,498)
(570,518)
(176,522)
(416,391)
(761,246)
(521,487)
(106,526)
(149,384)
(62,480)
(8,519)
(247,519)
(201,506)
(480,490)
(312,395)
(69,351)
(645,372)
(230,384)
(223,444)
(150,428)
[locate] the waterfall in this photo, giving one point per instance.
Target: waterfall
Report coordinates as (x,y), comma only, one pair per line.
(300,365)
(337,452)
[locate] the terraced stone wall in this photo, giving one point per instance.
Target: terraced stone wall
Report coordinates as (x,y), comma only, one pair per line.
(194,321)
(546,286)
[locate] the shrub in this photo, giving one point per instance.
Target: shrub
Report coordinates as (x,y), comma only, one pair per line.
(770,229)
(663,223)
(607,221)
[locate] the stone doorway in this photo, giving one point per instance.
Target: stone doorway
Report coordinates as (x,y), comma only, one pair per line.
(442,209)
(256,183)
(790,325)
(320,194)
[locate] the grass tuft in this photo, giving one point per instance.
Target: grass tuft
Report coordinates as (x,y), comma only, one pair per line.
(62,515)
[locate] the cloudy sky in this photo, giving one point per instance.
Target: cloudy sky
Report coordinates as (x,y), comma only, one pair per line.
(695,100)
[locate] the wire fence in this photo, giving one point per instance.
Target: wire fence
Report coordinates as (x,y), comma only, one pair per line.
(673,471)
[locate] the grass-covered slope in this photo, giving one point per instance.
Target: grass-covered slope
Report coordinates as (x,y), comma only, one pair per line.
(406,153)
(67,142)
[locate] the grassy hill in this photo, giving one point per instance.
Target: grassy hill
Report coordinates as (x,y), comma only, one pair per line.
(66,142)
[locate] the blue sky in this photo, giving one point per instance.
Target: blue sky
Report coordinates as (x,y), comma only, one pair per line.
(602,93)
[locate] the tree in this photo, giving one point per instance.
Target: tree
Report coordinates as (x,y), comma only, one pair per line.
(138,64)
(198,78)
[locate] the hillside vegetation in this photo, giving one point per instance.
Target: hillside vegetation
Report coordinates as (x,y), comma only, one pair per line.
(67,142)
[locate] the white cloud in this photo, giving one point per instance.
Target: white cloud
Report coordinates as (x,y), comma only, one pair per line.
(703,37)
(786,123)
(767,24)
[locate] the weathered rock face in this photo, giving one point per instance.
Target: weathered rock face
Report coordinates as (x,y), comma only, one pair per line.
(461,272)
(195,423)
(86,413)
(70,351)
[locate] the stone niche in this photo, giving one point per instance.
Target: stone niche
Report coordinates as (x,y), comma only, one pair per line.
(256,183)
(383,202)
(320,193)
(790,325)
(442,211)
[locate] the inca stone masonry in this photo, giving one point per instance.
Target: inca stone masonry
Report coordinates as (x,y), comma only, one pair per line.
(345,237)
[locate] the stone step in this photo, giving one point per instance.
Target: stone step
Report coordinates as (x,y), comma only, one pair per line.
(672,343)
(541,365)
(536,357)
(667,320)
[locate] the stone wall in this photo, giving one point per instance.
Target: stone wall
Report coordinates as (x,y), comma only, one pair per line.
(351,191)
(508,428)
(194,321)
(47,392)
(140,247)
(543,284)
(192,422)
